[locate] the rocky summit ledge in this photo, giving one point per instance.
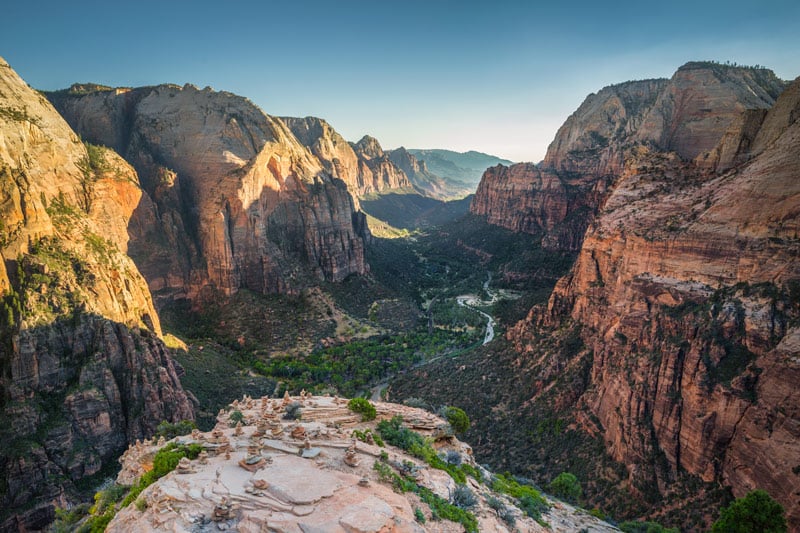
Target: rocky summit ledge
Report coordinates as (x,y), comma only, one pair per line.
(262,472)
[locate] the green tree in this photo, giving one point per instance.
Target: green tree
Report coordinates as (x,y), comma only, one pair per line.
(457,419)
(566,486)
(757,511)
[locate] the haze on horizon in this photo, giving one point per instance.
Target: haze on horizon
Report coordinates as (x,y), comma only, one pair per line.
(498,77)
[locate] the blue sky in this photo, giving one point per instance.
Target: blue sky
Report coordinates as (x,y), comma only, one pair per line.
(498,77)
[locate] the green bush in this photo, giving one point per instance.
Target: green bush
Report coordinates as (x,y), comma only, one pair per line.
(463,497)
(757,511)
(362,435)
(444,509)
(457,419)
(293,411)
(235,418)
(169,430)
(566,487)
(362,406)
(394,433)
(66,520)
(164,462)
(528,498)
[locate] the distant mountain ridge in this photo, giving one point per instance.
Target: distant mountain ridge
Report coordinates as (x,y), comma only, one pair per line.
(467,167)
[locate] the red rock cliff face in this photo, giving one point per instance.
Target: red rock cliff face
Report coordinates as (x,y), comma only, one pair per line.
(528,199)
(686,288)
(83,371)
(688,114)
(237,201)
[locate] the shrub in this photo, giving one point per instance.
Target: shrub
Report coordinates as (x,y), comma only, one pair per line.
(169,430)
(293,411)
(463,498)
(419,403)
(495,503)
(362,406)
(235,418)
(528,498)
(164,462)
(443,509)
(452,458)
(597,513)
(418,515)
(167,458)
(457,419)
(566,487)
(363,436)
(66,520)
(393,432)
(757,511)
(507,516)
(533,507)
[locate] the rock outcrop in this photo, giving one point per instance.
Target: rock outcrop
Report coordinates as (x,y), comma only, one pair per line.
(234,199)
(363,165)
(686,290)
(314,474)
(688,114)
(84,371)
(528,199)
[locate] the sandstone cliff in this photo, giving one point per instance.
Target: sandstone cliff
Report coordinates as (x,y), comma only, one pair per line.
(83,369)
(689,114)
(686,293)
(528,199)
(234,199)
(365,171)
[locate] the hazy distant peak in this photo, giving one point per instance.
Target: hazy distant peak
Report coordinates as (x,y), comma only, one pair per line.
(466,167)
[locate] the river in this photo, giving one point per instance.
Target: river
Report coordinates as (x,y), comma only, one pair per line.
(469,301)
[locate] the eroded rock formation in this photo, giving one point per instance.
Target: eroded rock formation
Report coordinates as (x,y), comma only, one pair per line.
(688,114)
(363,165)
(234,199)
(686,287)
(84,371)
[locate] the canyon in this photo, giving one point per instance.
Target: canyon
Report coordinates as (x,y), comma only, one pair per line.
(661,367)
(684,292)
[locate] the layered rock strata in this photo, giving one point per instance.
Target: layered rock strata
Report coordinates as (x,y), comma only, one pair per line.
(363,165)
(688,114)
(686,290)
(84,371)
(234,199)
